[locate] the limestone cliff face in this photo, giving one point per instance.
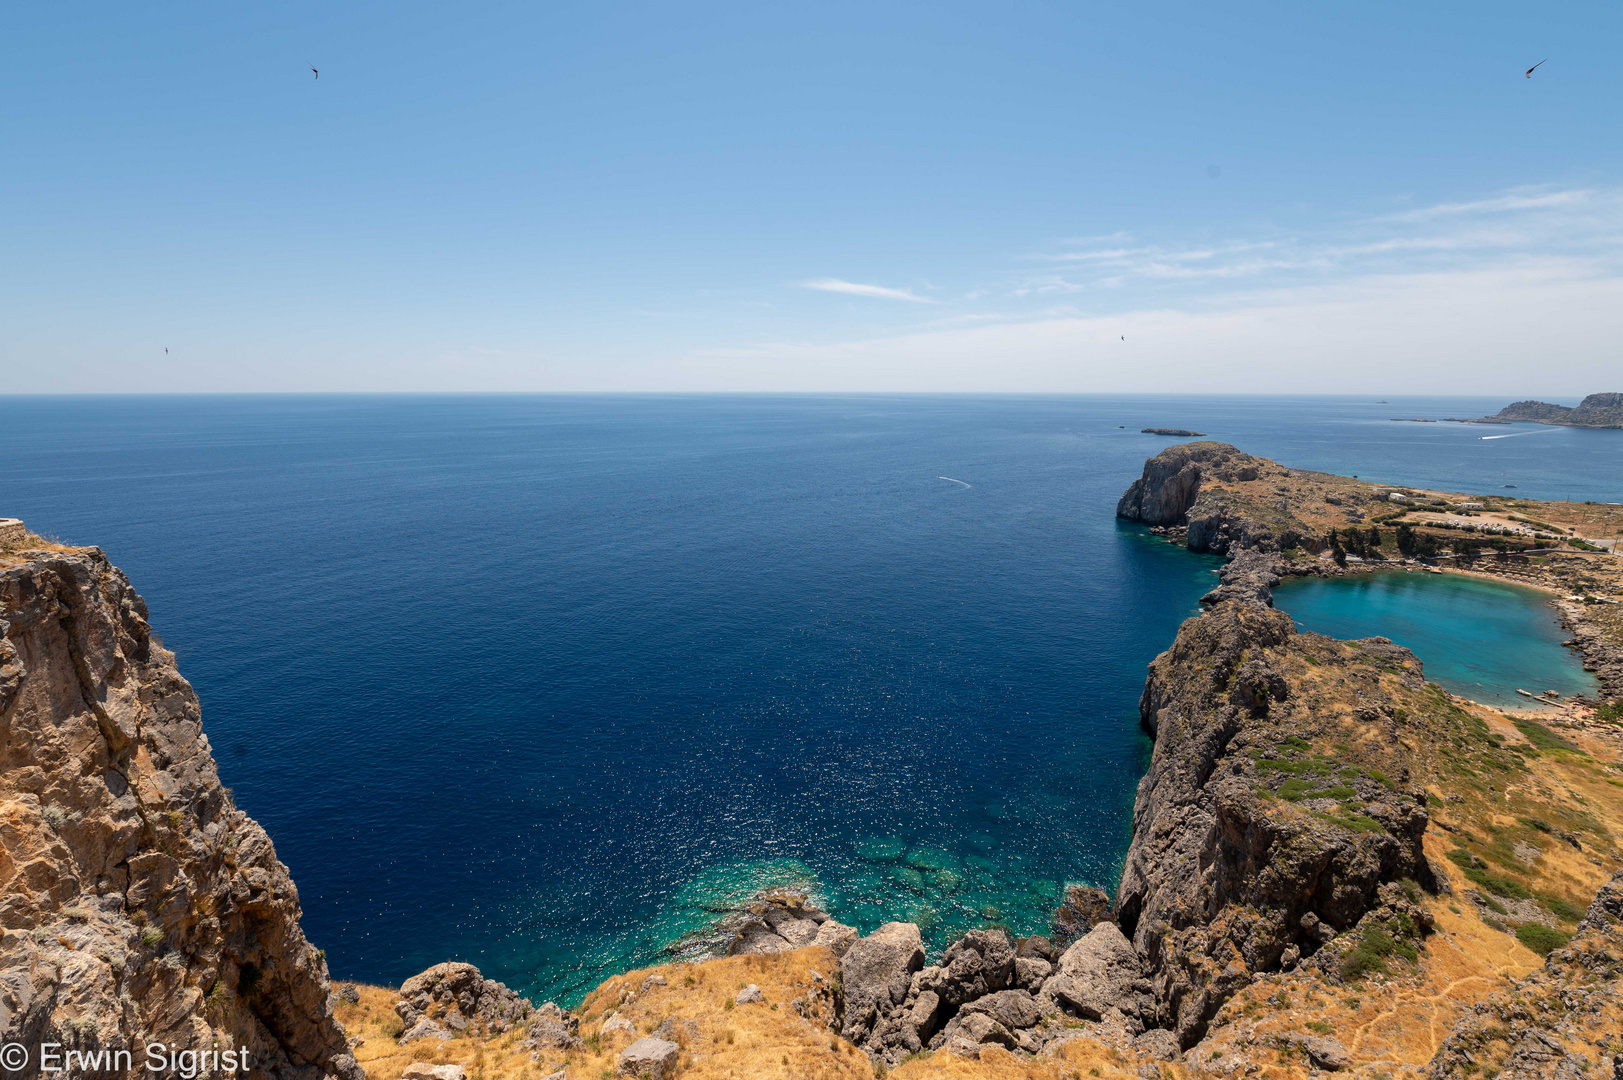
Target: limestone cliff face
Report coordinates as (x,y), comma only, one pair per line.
(138,904)
(1276,805)
(1228,500)
(1278,810)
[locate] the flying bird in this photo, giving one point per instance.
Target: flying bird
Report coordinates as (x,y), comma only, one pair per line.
(1535,67)
(313,68)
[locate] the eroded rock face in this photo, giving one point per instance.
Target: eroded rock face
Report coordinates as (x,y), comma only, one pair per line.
(137,902)
(1171,483)
(1209,489)
(1100,973)
(1222,876)
(876,973)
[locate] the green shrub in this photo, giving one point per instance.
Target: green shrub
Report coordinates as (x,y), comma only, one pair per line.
(1540,736)
(1476,870)
(1561,909)
(1540,938)
(1497,885)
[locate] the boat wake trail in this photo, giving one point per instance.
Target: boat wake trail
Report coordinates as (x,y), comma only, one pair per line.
(950,480)
(1513,434)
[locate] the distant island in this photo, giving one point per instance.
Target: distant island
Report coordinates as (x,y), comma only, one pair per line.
(1182,433)
(1596,411)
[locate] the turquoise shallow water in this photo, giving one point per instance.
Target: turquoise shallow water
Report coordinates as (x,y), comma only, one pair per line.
(1480,639)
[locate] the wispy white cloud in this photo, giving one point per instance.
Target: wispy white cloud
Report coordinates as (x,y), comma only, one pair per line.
(1501,204)
(853,288)
(1446,236)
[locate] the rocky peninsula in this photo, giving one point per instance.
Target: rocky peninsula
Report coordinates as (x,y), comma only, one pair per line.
(1334,864)
(1596,410)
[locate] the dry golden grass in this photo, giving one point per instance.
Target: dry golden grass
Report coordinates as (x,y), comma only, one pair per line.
(15,553)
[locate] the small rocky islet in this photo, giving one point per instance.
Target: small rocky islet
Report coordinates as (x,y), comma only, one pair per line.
(1334,865)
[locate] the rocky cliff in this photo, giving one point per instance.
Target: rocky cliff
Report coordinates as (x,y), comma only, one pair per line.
(1278,802)
(1230,501)
(1596,410)
(138,905)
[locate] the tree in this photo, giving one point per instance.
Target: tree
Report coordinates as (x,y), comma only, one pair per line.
(1406,540)
(1337,552)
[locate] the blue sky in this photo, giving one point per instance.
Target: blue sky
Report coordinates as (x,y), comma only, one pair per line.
(1298,197)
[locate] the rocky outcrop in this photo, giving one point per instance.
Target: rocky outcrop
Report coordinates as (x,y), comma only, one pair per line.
(876,973)
(1171,482)
(1100,974)
(988,991)
(457,997)
(1559,1022)
(138,903)
(1596,410)
(780,920)
(1228,501)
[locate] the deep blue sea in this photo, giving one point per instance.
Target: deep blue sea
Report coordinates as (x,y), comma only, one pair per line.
(535,682)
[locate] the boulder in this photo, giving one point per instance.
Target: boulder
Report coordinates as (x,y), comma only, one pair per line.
(756,938)
(1324,1052)
(1100,973)
(750,995)
(1030,972)
(979,963)
(1039,947)
(458,996)
(614,1023)
(423,1070)
(774,921)
(649,1059)
(975,1027)
(553,1029)
(1084,908)
(876,973)
(1158,1043)
(426,1029)
(837,938)
(1014,1009)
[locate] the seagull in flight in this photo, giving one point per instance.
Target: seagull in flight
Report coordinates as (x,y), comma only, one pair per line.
(1535,67)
